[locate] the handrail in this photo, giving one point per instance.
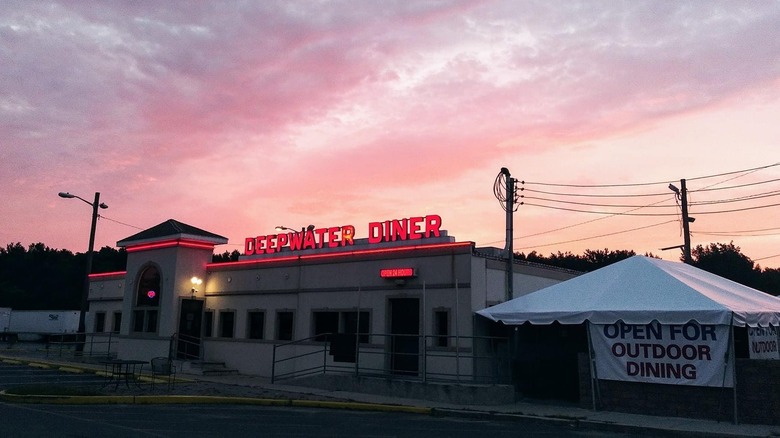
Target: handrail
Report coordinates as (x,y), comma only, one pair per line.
(480,356)
(85,344)
(189,343)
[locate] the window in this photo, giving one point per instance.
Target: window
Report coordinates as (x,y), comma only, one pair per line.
(341,322)
(226,323)
(441,326)
(256,324)
(349,320)
(147,301)
(117,322)
(284,325)
(325,322)
(208,323)
(100,322)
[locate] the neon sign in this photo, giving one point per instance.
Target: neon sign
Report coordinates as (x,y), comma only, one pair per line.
(397,273)
(413,228)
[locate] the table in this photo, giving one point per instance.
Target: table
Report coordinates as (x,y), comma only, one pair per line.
(118,370)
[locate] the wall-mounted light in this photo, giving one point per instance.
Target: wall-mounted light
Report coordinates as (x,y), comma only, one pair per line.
(195,283)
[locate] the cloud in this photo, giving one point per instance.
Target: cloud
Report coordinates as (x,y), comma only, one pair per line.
(289,107)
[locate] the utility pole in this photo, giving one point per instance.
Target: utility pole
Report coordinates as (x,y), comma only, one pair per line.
(682,196)
(686,220)
(504,190)
(510,208)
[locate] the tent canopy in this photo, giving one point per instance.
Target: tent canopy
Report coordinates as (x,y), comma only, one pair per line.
(639,290)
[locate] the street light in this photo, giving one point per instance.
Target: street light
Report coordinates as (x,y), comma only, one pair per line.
(303,230)
(85,291)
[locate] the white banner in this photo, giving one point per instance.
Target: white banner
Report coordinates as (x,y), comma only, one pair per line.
(763,342)
(687,354)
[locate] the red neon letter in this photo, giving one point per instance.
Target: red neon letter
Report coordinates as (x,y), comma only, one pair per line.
(433,225)
(333,238)
(347,235)
(398,229)
(270,243)
(249,246)
(308,240)
(374,232)
(281,240)
(296,241)
(415,231)
(260,245)
(321,233)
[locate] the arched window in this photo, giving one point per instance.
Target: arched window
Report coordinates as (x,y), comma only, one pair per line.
(147,301)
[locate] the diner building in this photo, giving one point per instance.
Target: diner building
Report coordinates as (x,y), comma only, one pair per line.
(399,301)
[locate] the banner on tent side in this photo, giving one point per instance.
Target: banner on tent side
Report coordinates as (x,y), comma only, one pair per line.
(679,354)
(763,342)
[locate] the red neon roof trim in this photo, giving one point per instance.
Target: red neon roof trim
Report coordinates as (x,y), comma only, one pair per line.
(107,274)
(342,254)
(169,244)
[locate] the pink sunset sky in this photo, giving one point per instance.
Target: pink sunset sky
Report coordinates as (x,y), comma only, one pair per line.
(236,117)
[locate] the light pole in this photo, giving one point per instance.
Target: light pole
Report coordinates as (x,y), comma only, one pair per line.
(85,291)
(303,229)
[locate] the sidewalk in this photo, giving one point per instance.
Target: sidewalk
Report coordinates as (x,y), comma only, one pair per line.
(243,389)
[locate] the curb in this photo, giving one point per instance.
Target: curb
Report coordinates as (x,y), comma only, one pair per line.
(583,424)
(197,399)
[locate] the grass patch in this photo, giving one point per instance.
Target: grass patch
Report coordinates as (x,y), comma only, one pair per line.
(51,390)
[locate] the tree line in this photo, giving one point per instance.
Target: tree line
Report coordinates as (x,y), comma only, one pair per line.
(38,277)
(723,259)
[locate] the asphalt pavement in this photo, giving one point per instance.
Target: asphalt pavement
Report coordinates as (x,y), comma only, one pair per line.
(253,390)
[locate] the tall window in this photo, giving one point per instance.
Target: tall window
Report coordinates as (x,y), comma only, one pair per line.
(441,328)
(256,321)
(208,323)
(284,325)
(227,323)
(147,301)
(341,322)
(100,322)
(117,322)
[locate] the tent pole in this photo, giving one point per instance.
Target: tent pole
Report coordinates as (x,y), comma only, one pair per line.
(733,360)
(592,367)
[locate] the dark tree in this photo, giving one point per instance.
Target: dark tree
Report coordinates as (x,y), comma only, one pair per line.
(727,261)
(589,261)
(226,257)
(40,277)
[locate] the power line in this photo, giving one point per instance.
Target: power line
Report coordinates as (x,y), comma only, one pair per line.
(767,257)
(612,213)
(599,236)
(739,199)
(629,195)
(635,208)
(120,223)
(647,183)
(589,204)
(734,187)
(742,231)
(649,214)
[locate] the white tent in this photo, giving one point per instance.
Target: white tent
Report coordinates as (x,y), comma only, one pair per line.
(639,290)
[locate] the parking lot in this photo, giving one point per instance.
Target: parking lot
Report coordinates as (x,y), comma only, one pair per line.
(16,373)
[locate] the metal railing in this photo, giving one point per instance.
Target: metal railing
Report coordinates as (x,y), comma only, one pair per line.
(431,358)
(64,344)
(185,347)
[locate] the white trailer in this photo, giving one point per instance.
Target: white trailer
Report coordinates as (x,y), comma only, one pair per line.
(5,318)
(34,325)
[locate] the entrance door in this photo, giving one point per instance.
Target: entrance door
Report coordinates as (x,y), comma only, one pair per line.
(404,335)
(190,319)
